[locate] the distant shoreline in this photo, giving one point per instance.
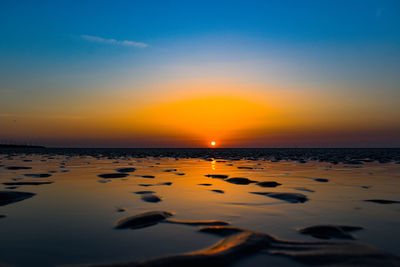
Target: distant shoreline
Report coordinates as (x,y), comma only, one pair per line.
(350,156)
(20,146)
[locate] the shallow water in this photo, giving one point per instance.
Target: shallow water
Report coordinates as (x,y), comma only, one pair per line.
(71,220)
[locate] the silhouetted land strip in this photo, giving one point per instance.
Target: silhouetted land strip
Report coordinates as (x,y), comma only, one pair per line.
(19,146)
(350,156)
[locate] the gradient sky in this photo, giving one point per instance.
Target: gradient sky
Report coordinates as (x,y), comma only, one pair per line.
(184,73)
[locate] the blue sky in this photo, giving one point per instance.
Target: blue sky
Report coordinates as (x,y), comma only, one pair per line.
(51,29)
(48,33)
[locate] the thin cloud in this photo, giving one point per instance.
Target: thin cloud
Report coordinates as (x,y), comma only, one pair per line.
(98,39)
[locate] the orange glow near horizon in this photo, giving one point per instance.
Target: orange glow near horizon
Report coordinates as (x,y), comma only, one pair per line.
(186,113)
(199,118)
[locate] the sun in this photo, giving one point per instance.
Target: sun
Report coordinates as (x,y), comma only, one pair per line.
(213,143)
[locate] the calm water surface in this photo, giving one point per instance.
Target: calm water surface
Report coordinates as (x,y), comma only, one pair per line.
(71,221)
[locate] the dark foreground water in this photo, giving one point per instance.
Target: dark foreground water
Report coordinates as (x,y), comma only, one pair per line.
(71,215)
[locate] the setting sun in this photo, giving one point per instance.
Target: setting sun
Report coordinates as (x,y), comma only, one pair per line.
(213,143)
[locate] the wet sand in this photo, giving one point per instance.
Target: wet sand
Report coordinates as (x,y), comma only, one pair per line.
(65,208)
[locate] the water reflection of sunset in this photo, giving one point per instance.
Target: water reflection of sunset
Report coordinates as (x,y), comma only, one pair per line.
(191,197)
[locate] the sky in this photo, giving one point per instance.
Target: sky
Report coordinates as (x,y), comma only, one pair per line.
(185,73)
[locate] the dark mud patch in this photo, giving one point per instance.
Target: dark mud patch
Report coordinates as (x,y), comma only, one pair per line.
(112,175)
(125,169)
(330,231)
(146,176)
(103,181)
(218,176)
(221,231)
(159,184)
(320,180)
(383,201)
(268,184)
(143,219)
(151,198)
(14,168)
(144,192)
(38,175)
(8,197)
(288,197)
(240,181)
